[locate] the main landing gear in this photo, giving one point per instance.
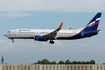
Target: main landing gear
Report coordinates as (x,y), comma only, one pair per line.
(51,42)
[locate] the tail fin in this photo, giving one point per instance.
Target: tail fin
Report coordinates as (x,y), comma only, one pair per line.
(93,24)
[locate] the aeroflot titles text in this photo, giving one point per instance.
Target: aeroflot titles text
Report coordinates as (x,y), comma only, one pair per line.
(24,30)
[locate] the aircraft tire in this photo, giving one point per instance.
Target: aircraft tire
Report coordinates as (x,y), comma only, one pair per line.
(51,42)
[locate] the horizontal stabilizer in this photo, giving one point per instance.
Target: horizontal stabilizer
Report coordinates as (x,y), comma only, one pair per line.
(95,31)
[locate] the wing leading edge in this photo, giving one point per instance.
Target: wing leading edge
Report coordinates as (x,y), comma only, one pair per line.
(52,35)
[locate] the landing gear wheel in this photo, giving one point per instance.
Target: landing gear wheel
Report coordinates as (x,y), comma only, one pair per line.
(13,40)
(51,42)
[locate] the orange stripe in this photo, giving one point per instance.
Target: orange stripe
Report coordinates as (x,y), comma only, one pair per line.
(72,35)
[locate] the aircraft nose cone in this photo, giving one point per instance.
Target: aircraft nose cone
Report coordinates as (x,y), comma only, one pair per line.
(4,34)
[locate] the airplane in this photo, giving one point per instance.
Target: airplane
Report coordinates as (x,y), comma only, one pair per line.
(57,34)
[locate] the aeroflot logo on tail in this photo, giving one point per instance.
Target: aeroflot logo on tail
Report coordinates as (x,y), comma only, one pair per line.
(93,23)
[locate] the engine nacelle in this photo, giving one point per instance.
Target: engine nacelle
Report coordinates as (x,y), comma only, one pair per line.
(39,38)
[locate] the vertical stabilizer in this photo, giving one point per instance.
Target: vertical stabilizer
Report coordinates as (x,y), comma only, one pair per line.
(93,24)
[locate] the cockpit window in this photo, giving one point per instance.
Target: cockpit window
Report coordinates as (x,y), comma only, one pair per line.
(8,31)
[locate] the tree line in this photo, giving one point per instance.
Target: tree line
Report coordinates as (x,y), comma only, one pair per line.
(45,61)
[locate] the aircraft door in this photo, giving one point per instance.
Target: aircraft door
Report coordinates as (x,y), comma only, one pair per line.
(14,33)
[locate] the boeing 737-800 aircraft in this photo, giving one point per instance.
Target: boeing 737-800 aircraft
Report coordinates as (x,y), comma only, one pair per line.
(57,34)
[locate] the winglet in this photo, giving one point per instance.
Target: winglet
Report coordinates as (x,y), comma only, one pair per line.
(60,26)
(70,28)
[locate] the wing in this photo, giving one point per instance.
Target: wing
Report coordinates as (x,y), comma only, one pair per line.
(53,34)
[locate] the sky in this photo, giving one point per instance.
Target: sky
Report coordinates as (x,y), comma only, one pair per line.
(43,14)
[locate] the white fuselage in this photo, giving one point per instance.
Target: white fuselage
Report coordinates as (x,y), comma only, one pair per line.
(31,33)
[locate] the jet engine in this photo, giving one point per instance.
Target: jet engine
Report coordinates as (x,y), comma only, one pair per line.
(39,38)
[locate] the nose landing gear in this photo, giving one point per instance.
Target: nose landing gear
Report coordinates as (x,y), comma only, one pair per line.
(13,40)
